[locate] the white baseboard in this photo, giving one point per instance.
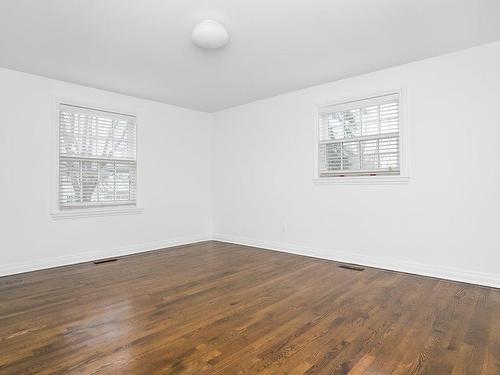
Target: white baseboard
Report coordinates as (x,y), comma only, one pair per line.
(14,268)
(340,256)
(454,274)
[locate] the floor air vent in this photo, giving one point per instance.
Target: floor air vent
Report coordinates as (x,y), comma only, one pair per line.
(352,267)
(101,261)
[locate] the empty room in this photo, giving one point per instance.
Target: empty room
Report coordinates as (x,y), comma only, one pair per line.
(250,187)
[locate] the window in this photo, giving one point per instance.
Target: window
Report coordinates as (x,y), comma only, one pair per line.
(97,158)
(360,138)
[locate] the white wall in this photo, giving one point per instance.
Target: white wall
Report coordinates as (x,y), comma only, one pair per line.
(173,166)
(443,223)
(245,175)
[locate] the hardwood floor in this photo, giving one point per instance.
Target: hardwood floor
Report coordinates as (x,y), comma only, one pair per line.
(216,308)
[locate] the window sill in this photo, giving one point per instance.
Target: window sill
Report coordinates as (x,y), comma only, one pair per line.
(362,180)
(95,212)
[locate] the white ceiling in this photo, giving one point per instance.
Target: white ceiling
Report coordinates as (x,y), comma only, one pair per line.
(142,48)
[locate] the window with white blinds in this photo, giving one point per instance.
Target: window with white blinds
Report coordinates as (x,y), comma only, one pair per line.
(360,137)
(97,158)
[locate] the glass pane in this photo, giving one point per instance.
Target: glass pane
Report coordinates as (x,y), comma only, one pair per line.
(350,156)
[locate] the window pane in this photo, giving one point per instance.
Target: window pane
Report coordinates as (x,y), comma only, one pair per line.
(89,180)
(345,124)
(370,121)
(369,151)
(69,182)
(350,156)
(389,153)
(107,182)
(389,118)
(332,157)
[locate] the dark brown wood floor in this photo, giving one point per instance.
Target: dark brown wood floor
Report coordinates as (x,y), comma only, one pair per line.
(216,308)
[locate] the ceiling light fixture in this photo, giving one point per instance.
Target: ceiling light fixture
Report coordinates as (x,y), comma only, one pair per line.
(210,34)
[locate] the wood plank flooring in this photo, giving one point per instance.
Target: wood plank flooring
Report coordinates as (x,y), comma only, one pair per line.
(216,308)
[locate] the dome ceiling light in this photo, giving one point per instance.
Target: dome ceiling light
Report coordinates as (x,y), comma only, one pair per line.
(210,34)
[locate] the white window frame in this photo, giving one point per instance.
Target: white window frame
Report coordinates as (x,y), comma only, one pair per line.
(90,211)
(401,178)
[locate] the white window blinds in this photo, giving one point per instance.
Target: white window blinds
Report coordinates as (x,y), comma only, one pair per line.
(360,137)
(97,158)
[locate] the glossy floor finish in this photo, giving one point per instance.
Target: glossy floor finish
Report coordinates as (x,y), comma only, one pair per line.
(215,308)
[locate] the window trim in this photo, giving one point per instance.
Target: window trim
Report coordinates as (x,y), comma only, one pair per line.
(351,179)
(90,211)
